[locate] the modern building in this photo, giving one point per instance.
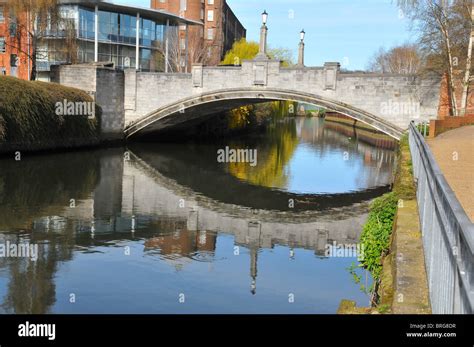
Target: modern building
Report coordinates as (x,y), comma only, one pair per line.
(207,44)
(98,31)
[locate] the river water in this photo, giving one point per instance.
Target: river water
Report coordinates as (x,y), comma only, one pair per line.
(166,228)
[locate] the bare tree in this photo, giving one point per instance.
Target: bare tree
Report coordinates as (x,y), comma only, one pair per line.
(467,72)
(175,50)
(443,35)
(31,20)
(197,47)
(70,48)
(403,59)
(200,47)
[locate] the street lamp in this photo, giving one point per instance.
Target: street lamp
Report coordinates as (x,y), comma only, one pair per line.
(301,49)
(302,34)
(262,50)
(264,17)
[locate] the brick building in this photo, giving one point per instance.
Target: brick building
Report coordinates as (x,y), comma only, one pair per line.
(14,45)
(221,29)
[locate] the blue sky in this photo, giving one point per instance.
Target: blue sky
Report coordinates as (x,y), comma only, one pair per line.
(348,31)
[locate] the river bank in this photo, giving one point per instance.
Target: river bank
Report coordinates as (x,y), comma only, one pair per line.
(392,242)
(363,132)
(38,116)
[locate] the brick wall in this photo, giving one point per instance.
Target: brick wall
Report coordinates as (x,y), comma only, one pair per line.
(225,25)
(444,109)
(17,44)
(439,126)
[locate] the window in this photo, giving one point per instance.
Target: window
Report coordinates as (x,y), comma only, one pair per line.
(182,44)
(210,34)
(202,14)
(12,27)
(2,45)
(182,5)
(210,2)
(2,18)
(14,60)
(210,15)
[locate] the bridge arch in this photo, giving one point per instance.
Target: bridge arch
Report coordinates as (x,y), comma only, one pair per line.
(205,104)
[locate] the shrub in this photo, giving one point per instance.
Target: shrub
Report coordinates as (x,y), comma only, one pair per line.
(421,128)
(376,233)
(28,116)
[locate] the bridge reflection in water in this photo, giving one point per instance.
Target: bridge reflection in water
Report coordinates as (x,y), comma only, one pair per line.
(175,204)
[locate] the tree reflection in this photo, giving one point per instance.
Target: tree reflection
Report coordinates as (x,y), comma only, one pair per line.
(273,156)
(33,192)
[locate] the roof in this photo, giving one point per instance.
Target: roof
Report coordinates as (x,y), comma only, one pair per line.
(144,12)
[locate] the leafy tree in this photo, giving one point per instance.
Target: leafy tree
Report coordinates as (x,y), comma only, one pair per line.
(284,55)
(241,50)
(248,50)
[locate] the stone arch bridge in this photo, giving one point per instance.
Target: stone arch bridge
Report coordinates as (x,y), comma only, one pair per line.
(138,103)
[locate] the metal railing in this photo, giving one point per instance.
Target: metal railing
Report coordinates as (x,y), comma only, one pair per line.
(448,234)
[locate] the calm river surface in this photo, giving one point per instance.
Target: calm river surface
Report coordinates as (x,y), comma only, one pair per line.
(165,228)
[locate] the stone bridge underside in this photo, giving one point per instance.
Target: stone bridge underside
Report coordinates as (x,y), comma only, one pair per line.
(156,101)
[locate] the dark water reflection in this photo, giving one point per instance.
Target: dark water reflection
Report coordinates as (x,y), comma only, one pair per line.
(173,231)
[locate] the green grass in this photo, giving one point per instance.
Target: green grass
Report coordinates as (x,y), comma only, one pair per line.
(28,118)
(421,129)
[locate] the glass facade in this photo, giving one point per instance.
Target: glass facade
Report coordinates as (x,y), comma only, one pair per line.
(117,39)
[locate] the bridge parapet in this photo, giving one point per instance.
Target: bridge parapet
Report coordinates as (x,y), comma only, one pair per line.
(386,98)
(143,101)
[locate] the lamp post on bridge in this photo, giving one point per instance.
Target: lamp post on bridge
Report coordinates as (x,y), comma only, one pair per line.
(262,51)
(301,49)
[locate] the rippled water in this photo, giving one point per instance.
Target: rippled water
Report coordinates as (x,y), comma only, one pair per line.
(164,228)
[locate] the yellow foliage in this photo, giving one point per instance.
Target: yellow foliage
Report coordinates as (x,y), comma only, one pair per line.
(239,118)
(271,162)
(241,50)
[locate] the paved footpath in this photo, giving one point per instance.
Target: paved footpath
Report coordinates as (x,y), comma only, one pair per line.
(459,173)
